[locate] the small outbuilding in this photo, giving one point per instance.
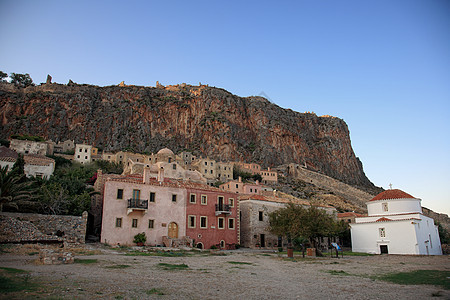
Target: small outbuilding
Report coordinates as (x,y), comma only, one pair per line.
(395,225)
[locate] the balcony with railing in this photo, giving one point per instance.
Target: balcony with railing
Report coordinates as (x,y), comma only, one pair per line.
(223,209)
(137,204)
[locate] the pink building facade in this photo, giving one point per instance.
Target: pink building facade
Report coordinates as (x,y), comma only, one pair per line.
(134,205)
(170,212)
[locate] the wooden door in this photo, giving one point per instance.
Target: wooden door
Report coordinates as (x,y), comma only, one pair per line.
(173,230)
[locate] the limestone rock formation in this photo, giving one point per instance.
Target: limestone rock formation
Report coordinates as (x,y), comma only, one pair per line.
(206,120)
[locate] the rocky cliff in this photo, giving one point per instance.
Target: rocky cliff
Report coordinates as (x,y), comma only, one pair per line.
(205,120)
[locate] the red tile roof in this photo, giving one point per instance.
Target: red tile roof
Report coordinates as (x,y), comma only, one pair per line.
(383,219)
(6,152)
(392,194)
(349,214)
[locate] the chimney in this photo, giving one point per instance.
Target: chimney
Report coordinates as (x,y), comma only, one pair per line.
(161,174)
(257,182)
(240,179)
(146,177)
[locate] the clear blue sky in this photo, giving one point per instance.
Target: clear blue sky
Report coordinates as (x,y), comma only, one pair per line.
(382,66)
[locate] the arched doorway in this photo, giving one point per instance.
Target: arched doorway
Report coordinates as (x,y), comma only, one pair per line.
(222,244)
(173,230)
(200,245)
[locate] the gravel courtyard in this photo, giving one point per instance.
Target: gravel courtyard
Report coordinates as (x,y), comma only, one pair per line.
(110,274)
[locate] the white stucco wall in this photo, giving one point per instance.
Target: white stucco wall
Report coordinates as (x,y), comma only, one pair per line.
(395,206)
(402,237)
(162,211)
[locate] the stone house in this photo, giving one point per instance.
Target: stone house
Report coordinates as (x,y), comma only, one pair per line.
(35,165)
(83,153)
(31,147)
(65,146)
(395,225)
(269,176)
(212,217)
(213,170)
(254,221)
(39,166)
(239,187)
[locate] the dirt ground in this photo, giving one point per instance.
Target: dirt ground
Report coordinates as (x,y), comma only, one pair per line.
(106,273)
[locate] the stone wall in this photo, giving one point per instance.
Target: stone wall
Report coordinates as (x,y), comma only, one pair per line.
(21,227)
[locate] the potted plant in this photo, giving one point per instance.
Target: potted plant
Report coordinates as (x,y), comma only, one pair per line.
(140,239)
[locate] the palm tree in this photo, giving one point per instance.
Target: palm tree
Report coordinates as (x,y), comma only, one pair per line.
(12,188)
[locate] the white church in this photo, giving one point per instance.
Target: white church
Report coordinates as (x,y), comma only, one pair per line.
(395,225)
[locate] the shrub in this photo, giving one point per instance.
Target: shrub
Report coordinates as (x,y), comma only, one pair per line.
(140,238)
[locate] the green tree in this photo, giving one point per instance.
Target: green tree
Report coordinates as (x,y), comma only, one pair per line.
(13,189)
(295,221)
(18,168)
(3,76)
(21,80)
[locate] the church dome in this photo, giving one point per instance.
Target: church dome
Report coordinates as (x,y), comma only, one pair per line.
(165,151)
(392,194)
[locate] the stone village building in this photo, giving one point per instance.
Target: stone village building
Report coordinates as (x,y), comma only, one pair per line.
(170,212)
(395,225)
(35,165)
(254,221)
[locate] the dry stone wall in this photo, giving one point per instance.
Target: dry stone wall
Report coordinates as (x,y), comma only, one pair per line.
(21,227)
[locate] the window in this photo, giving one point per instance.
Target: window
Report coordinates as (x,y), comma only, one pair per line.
(136,194)
(206,163)
(211,171)
(119,193)
(237,185)
(170,160)
(151,224)
(256,190)
(118,222)
(231,223)
(204,200)
(85,150)
(231,202)
(260,215)
(134,223)
(251,190)
(220,223)
(152,197)
(385,207)
(78,156)
(85,157)
(174,198)
(203,222)
(382,232)
(191,221)
(212,164)
(192,198)
(174,166)
(206,171)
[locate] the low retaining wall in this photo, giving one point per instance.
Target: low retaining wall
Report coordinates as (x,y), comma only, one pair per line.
(21,227)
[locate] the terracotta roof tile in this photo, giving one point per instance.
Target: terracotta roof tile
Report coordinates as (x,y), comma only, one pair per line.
(383,219)
(349,214)
(392,194)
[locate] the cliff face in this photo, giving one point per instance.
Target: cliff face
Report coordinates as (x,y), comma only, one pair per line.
(205,120)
